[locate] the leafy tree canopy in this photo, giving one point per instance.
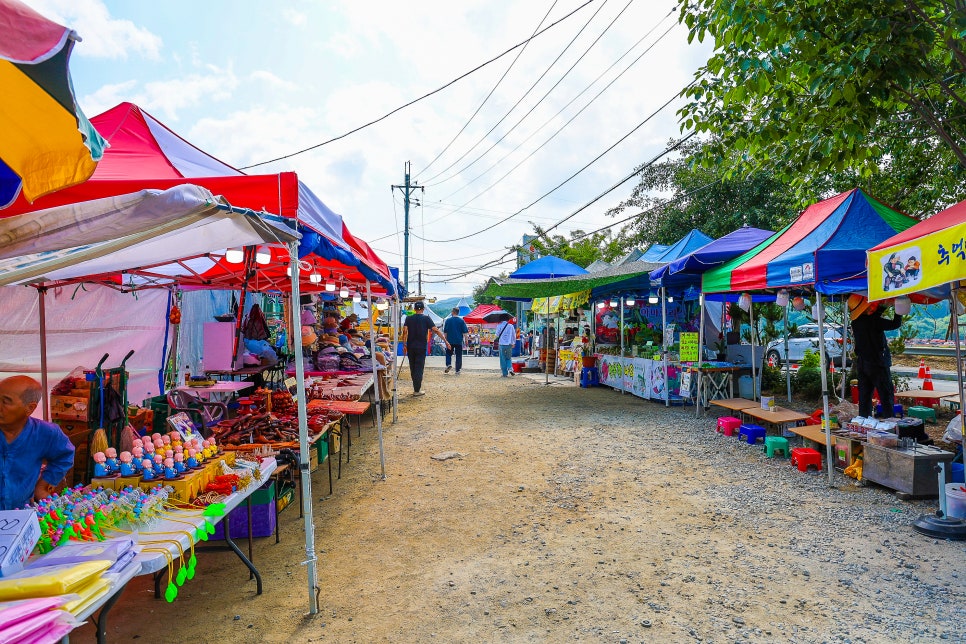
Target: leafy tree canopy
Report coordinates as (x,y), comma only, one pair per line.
(813,91)
(581,248)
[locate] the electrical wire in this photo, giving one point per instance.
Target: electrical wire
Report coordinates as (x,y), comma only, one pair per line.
(488,96)
(571,177)
(525,94)
(424,96)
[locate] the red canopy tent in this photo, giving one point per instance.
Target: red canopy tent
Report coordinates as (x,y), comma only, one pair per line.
(482,311)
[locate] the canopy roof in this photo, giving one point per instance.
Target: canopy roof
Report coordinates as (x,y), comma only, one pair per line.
(47,143)
(105,237)
(547,267)
(687,244)
(477,315)
(529,288)
(714,253)
(463,307)
(935,244)
(824,248)
(144,153)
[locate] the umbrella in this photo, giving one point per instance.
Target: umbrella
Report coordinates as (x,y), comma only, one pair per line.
(495,316)
(547,267)
(47,143)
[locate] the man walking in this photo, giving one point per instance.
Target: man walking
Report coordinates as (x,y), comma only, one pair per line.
(416,336)
(455,329)
(506,335)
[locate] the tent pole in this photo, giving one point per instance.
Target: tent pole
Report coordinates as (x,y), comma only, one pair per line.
(788,362)
(667,380)
(41,293)
(830,464)
(375,383)
(954,312)
(845,344)
(751,322)
(621,305)
(395,344)
(546,333)
(697,398)
(307,497)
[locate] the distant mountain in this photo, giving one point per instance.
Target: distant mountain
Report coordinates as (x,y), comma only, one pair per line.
(443,307)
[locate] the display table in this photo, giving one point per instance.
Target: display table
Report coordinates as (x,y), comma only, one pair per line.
(910,471)
(714,383)
(103,605)
(922,394)
(156,563)
(735,404)
(780,418)
(217,390)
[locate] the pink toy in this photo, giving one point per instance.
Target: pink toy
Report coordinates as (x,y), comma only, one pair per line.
(146,466)
(127,468)
(169,453)
(100,469)
(166,439)
(148,448)
(158,444)
(155,436)
(178,449)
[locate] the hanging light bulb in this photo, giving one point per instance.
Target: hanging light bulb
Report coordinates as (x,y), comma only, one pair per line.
(357,298)
(315,278)
(288,271)
(670,298)
(613,303)
(652,299)
(343,292)
(601,305)
(330,283)
(782,298)
(234,255)
(630,301)
(263,255)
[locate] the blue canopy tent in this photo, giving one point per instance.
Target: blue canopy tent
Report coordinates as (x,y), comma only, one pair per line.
(463,307)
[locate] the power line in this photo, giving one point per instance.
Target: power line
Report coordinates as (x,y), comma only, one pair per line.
(525,94)
(424,96)
(565,181)
(488,96)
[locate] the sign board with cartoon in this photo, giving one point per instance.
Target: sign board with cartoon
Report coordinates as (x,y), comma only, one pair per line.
(642,323)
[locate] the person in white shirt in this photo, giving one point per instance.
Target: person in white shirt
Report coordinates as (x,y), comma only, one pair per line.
(506,336)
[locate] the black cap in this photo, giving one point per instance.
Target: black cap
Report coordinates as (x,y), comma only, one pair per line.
(419,305)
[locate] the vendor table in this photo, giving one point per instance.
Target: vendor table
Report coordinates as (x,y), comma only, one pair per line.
(231,374)
(910,471)
(923,394)
(780,418)
(715,383)
(102,606)
(735,404)
(954,402)
(218,389)
(156,563)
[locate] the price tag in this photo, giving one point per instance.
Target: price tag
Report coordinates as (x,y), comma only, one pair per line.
(689,347)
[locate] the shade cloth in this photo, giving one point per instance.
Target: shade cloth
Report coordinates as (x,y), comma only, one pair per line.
(530,288)
(547,267)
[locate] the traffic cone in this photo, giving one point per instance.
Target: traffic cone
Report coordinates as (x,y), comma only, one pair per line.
(922,367)
(927,382)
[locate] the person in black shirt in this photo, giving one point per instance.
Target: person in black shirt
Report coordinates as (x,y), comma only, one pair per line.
(416,337)
(872,357)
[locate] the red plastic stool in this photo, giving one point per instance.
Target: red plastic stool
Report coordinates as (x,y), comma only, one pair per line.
(803,457)
(727,425)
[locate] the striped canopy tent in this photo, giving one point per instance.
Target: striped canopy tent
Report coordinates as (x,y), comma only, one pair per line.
(685,272)
(146,154)
(691,242)
(822,250)
(47,144)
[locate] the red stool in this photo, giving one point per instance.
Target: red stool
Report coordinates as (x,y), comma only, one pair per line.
(727,425)
(803,457)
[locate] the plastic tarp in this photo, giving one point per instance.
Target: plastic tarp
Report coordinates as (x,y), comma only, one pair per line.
(107,236)
(937,244)
(79,333)
(824,248)
(144,153)
(690,242)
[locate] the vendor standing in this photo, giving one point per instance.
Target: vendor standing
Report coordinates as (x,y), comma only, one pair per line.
(873,360)
(27,444)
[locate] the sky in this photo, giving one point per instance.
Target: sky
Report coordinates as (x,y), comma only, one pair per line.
(249,81)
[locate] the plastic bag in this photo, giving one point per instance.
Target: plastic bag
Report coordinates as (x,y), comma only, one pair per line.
(76,379)
(954,430)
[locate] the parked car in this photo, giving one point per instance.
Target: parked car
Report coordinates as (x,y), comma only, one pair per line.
(806,338)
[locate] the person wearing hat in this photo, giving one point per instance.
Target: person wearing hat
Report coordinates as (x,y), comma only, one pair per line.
(415,335)
(873,361)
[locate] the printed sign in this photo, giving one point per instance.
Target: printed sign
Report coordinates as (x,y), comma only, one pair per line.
(902,271)
(689,347)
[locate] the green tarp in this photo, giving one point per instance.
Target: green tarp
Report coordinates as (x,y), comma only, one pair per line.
(529,289)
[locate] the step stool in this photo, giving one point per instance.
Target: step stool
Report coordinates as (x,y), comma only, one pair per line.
(728,425)
(803,457)
(776,444)
(923,413)
(589,377)
(896,410)
(752,433)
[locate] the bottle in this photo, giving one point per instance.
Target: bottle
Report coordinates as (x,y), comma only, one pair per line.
(201,367)
(187,374)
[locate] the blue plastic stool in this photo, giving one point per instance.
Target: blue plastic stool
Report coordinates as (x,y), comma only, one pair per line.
(897,410)
(753,433)
(589,377)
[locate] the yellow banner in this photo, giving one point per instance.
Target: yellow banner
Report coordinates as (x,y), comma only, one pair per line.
(559,303)
(936,259)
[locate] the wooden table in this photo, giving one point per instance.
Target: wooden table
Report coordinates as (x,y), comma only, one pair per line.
(922,394)
(955,401)
(714,383)
(780,418)
(735,404)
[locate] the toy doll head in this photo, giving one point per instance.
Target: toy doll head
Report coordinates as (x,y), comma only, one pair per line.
(178,457)
(166,439)
(137,451)
(178,449)
(125,457)
(137,442)
(158,444)
(169,462)
(111,452)
(147,464)
(99,457)
(158,458)
(148,447)
(168,453)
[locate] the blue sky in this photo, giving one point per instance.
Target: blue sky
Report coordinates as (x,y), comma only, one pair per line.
(249,81)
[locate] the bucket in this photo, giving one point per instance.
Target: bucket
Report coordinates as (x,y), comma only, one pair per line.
(955,501)
(958,474)
(589,361)
(517,367)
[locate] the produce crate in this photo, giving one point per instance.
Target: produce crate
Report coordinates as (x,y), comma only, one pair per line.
(70,408)
(286,496)
(322,449)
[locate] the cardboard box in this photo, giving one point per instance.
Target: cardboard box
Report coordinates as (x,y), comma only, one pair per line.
(19,533)
(70,407)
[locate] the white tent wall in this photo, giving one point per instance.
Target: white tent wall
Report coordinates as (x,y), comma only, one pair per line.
(198,307)
(82,325)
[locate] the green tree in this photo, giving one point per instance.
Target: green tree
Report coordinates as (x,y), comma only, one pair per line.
(479,290)
(581,248)
(811,91)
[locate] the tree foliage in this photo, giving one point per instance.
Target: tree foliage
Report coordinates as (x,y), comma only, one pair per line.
(810,90)
(581,248)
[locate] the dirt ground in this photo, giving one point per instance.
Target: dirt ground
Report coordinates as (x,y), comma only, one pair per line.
(571,514)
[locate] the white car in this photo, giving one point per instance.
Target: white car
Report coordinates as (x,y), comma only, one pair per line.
(806,339)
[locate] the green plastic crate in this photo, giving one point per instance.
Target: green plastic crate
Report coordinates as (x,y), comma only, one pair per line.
(159,405)
(322,448)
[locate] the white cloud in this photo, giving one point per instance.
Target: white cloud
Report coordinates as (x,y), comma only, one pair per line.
(103,36)
(271,80)
(294,17)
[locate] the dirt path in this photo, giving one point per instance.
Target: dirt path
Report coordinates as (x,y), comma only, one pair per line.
(573,514)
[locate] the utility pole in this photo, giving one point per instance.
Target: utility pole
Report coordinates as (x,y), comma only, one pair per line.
(407,189)
(419,277)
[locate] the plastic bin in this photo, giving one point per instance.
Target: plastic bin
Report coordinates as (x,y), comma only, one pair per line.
(955,501)
(517,367)
(744,387)
(957,472)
